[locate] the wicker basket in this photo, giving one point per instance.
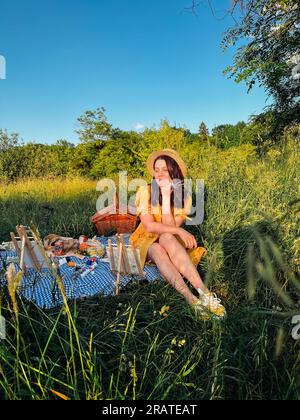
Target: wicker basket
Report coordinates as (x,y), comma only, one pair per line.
(106,223)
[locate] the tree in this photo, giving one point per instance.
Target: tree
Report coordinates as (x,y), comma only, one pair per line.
(165,137)
(35,160)
(8,141)
(231,9)
(95,126)
(84,156)
(229,135)
(203,133)
(64,143)
(61,154)
(271,56)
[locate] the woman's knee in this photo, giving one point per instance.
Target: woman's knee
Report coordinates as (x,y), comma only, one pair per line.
(168,241)
(157,251)
(165,238)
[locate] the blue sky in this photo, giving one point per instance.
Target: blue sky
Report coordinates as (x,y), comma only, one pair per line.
(142,60)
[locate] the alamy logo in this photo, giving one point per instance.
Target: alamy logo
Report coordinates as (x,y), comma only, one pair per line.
(183,189)
(2,67)
(2,328)
(296,329)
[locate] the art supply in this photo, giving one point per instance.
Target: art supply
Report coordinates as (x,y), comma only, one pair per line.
(91,261)
(62,261)
(89,270)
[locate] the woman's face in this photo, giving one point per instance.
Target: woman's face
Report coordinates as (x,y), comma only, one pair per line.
(161,172)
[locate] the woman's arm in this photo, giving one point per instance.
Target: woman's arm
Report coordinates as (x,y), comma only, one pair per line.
(167,217)
(170,220)
(156,227)
(152,226)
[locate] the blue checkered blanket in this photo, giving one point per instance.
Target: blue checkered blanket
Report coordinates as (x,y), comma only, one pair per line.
(42,289)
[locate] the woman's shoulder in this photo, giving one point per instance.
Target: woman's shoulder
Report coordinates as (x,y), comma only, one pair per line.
(142,189)
(145,186)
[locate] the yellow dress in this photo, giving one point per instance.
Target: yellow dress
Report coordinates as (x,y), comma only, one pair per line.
(142,239)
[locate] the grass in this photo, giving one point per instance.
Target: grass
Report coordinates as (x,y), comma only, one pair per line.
(146,343)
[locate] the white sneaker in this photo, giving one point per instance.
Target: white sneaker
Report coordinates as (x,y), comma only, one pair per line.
(209,306)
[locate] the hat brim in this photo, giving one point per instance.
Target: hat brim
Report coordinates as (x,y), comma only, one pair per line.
(168,152)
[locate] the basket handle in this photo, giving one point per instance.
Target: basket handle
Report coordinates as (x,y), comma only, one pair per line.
(116,200)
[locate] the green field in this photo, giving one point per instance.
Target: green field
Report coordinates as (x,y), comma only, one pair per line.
(146,343)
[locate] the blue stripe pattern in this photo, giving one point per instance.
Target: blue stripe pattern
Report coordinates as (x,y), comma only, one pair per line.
(41,287)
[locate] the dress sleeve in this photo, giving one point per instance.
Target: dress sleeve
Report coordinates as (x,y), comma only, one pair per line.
(184,212)
(142,201)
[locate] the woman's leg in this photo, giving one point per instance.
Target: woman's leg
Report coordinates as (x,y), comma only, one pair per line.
(181,260)
(161,258)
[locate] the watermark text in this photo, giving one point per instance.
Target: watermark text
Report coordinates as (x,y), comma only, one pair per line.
(2,328)
(2,68)
(296,329)
(149,204)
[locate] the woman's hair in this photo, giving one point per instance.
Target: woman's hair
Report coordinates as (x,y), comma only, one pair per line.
(177,194)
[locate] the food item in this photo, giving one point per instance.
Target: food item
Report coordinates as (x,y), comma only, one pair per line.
(59,248)
(82,239)
(83,247)
(69,244)
(92,248)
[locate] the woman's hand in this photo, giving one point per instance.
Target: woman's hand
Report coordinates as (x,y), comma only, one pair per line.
(188,238)
(165,186)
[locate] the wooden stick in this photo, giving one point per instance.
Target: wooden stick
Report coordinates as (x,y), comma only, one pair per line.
(40,245)
(19,252)
(29,237)
(111,256)
(22,232)
(23,246)
(131,249)
(30,247)
(137,260)
(120,249)
(126,259)
(14,240)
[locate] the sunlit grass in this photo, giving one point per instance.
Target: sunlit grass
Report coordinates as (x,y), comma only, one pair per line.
(47,189)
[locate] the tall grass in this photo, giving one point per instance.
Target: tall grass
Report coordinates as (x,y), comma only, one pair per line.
(56,205)
(146,343)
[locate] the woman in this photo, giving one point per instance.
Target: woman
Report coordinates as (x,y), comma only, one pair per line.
(162,209)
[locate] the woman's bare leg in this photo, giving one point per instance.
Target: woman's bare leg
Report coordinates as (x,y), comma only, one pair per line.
(169,272)
(181,260)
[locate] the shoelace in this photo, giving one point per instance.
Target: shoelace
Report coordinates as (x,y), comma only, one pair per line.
(215,298)
(214,302)
(212,297)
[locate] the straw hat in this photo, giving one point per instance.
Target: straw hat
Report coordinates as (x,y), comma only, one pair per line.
(168,152)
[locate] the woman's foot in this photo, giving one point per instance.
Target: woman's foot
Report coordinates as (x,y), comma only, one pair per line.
(208,306)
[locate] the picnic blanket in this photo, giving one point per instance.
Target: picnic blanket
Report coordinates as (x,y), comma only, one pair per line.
(42,289)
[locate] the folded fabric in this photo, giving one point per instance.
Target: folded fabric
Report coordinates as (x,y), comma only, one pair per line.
(69,244)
